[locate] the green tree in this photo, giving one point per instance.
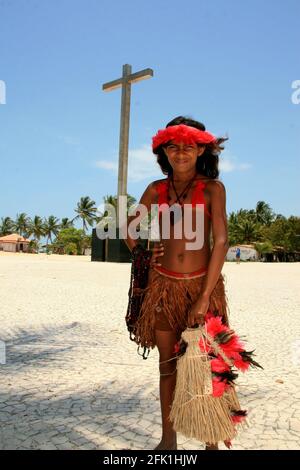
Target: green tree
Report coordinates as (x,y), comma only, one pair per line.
(112,200)
(247,231)
(86,242)
(86,211)
(6,226)
(284,233)
(67,236)
(294,233)
(71,248)
(36,228)
(21,224)
(65,223)
(232,223)
(33,246)
(263,247)
(264,214)
(51,227)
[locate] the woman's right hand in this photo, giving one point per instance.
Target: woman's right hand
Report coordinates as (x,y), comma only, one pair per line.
(157,251)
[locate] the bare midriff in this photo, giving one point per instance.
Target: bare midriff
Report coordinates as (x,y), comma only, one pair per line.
(176,256)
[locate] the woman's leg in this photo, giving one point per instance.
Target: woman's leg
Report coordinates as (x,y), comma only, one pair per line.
(165,341)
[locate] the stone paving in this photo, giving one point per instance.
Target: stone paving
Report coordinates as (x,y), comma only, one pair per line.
(73,380)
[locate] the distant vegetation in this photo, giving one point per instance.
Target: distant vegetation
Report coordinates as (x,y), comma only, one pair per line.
(260,227)
(61,235)
(264,229)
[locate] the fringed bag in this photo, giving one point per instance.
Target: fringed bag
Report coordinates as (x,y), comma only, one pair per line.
(140,265)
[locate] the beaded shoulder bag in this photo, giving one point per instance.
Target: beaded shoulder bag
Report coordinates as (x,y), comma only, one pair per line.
(140,265)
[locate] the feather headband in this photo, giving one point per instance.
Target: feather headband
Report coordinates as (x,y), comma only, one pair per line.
(181,133)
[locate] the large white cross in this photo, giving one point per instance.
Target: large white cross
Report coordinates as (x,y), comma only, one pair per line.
(125,82)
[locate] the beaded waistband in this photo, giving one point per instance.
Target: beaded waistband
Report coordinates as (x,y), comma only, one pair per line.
(176,275)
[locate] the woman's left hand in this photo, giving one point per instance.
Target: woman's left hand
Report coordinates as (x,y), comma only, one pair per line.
(198,312)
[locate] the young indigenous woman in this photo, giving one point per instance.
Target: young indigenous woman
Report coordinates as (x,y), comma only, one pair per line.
(183,284)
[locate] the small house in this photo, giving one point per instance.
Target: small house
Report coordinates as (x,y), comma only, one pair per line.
(14,243)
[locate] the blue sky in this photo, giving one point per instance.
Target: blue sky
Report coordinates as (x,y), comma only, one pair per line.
(229,64)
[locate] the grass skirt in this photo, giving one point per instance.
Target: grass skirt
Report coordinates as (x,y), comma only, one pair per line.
(167,302)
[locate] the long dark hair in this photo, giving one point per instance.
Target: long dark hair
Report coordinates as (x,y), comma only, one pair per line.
(207,164)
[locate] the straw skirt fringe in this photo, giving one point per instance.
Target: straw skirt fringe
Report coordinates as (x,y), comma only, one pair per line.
(167,301)
(207,419)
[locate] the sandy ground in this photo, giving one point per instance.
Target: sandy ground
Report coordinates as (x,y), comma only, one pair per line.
(73,380)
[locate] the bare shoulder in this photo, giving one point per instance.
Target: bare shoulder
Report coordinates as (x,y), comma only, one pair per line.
(216,192)
(215,186)
(157,182)
(150,192)
(152,187)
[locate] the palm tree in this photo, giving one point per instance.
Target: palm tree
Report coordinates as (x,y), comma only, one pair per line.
(86,210)
(6,226)
(36,228)
(279,217)
(112,200)
(242,214)
(51,227)
(66,223)
(232,218)
(264,214)
(247,231)
(233,221)
(241,225)
(21,224)
(263,248)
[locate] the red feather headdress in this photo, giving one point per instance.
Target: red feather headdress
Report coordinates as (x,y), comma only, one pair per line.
(181,133)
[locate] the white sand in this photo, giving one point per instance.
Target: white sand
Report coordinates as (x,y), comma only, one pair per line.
(70,364)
